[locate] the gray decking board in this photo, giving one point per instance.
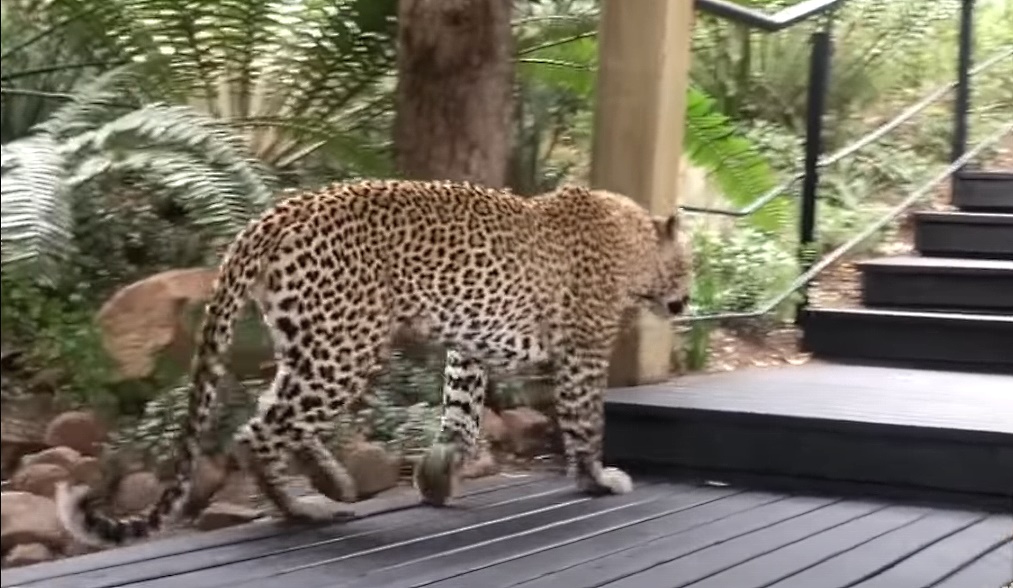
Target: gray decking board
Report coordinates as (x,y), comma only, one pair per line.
(895,396)
(664,534)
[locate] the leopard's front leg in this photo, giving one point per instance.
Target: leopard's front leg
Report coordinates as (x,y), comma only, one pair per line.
(581,377)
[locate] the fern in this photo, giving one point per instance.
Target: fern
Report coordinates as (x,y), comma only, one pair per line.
(713,143)
(35,223)
(178,154)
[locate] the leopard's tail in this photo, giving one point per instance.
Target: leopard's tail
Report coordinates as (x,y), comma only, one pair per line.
(240,271)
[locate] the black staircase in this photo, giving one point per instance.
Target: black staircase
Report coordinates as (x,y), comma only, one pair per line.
(951,304)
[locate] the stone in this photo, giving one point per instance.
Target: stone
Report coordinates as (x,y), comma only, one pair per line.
(209,478)
(219,515)
(39,479)
(27,518)
(23,431)
(373,468)
(136,492)
(155,319)
(65,457)
(78,430)
(529,431)
(480,467)
(493,428)
(88,471)
(238,488)
(27,554)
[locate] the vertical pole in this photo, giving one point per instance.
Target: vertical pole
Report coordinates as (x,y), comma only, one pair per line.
(819,77)
(643,72)
(962,99)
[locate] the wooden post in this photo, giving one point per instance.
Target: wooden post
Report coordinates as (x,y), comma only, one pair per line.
(644,57)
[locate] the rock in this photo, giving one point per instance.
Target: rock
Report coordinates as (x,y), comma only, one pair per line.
(373,468)
(65,457)
(78,430)
(493,428)
(225,514)
(39,479)
(238,489)
(87,470)
(155,318)
(27,554)
(210,478)
(484,465)
(136,492)
(27,518)
(528,430)
(23,430)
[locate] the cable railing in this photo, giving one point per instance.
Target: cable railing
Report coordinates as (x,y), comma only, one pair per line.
(814,160)
(857,146)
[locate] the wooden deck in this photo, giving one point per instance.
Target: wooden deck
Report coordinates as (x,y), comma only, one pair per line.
(815,476)
(538,532)
(895,431)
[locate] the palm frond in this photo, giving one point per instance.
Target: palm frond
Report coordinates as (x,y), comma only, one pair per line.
(184,130)
(215,198)
(36,223)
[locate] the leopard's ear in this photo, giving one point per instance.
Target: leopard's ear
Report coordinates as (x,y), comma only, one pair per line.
(667,226)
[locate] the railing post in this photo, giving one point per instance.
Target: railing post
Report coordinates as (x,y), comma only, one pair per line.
(819,77)
(962,98)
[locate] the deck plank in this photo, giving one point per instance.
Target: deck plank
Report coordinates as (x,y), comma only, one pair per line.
(920,561)
(867,394)
(544,534)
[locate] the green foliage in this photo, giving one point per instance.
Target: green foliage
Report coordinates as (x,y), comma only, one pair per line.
(58,334)
(742,174)
(557,61)
(174,154)
(736,269)
(307,82)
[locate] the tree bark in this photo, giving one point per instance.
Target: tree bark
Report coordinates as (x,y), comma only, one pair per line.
(455,90)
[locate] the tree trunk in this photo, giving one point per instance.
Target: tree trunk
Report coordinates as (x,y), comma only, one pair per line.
(455,90)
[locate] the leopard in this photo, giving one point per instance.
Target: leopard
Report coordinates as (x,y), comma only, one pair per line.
(501,281)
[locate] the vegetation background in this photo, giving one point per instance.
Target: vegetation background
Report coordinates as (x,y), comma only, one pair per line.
(139,135)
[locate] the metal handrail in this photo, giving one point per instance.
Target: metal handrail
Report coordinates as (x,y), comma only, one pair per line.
(839,252)
(858,145)
(768,22)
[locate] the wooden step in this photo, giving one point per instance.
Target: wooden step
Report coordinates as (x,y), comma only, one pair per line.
(895,427)
(964,234)
(982,342)
(938,283)
(984,191)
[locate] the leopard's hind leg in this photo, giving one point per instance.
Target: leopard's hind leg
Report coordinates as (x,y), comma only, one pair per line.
(438,472)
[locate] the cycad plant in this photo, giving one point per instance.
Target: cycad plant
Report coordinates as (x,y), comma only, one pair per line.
(170,155)
(306,81)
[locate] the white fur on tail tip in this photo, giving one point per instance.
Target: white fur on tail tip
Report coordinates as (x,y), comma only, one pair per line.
(616,480)
(68,508)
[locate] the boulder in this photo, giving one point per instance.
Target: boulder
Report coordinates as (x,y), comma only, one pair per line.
(27,518)
(136,492)
(27,554)
(155,319)
(225,514)
(65,457)
(88,471)
(480,467)
(373,467)
(79,430)
(528,431)
(493,428)
(39,479)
